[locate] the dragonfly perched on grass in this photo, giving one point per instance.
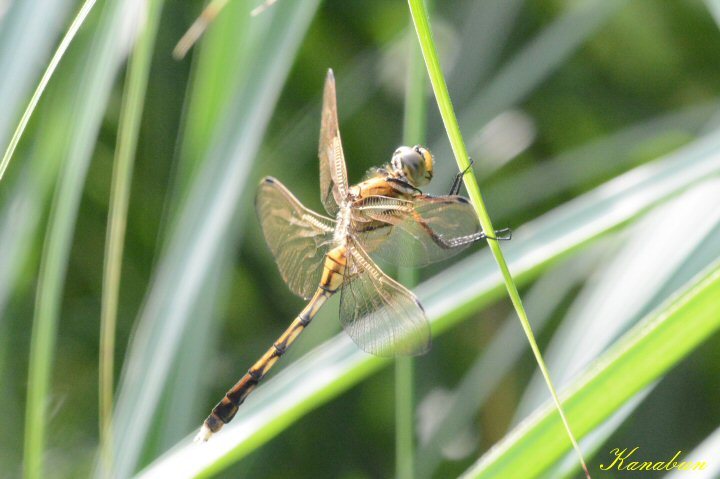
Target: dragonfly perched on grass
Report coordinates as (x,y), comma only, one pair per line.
(385,216)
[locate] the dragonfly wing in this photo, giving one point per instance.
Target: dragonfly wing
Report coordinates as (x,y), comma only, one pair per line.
(298,237)
(333,175)
(381,316)
(419,231)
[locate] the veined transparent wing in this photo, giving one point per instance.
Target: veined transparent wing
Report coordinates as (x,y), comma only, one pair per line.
(380,315)
(333,175)
(298,237)
(418,231)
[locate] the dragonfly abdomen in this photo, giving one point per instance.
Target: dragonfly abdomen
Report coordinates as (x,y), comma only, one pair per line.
(334,270)
(226,409)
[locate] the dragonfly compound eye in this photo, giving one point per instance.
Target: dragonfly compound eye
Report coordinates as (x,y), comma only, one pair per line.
(415,164)
(428,161)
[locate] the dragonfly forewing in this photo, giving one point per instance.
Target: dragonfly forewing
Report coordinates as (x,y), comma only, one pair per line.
(298,237)
(333,174)
(418,231)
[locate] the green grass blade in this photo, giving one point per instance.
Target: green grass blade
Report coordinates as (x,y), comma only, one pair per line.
(640,357)
(585,165)
(414,125)
(422,26)
(28,36)
(539,58)
(49,71)
(220,63)
(500,355)
(415,115)
(202,225)
(404,417)
(187,402)
(299,134)
(128,131)
(705,451)
(448,298)
(714,8)
(621,292)
(21,217)
(90,99)
(485,29)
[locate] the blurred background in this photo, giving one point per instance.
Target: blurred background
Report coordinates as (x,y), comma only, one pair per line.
(556,99)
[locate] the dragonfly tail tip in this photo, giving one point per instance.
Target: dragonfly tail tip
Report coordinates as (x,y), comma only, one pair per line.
(203,435)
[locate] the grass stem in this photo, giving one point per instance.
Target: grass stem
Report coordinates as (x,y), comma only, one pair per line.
(414,125)
(88,100)
(404,417)
(49,71)
(427,45)
(128,131)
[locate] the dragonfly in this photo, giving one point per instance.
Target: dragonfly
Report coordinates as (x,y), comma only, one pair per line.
(387,217)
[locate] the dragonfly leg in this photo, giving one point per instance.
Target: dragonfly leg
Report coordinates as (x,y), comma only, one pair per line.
(403,186)
(457,182)
(504,234)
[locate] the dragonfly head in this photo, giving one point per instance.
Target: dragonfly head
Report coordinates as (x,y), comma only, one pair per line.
(415,164)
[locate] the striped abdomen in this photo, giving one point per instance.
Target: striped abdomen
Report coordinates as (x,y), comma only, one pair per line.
(225,410)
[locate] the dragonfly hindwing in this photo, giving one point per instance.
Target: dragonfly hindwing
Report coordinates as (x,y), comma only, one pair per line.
(380,315)
(298,237)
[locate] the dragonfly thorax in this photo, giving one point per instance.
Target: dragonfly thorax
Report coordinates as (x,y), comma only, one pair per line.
(342,227)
